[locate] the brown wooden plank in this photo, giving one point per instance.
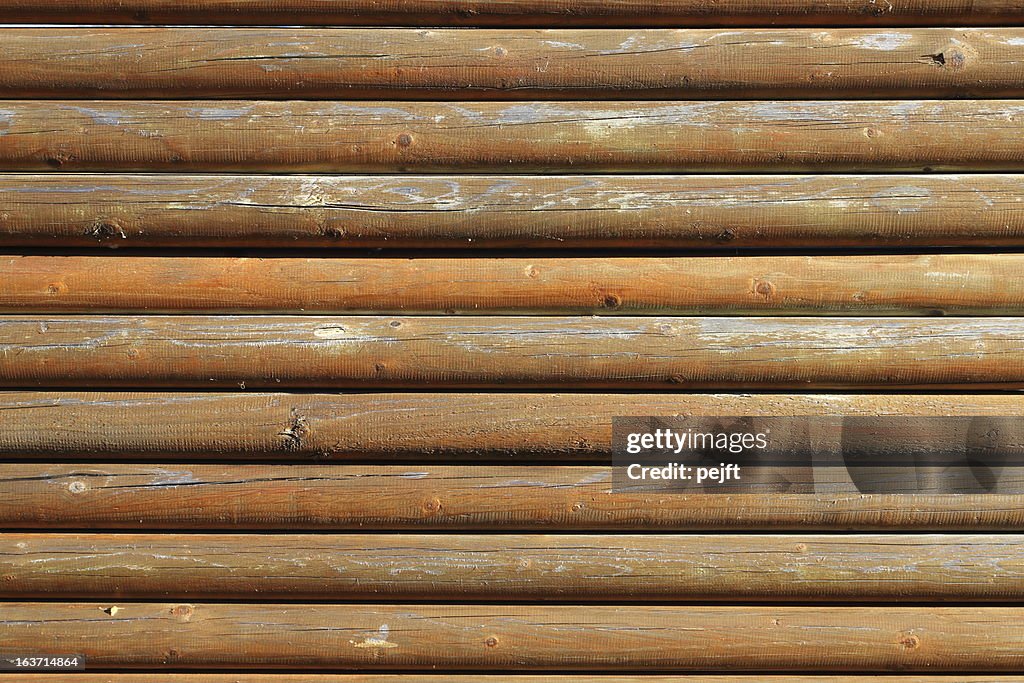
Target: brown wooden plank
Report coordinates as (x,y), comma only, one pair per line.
(620,212)
(467,64)
(599,13)
(382,426)
(804,567)
(133,636)
(485,352)
(478,678)
(232,135)
(343,497)
(990,284)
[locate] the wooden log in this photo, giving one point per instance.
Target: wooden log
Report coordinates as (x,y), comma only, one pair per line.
(536,352)
(344,497)
(521,638)
(477,678)
(232,135)
(805,568)
(598,13)
(785,285)
(404,426)
(620,212)
(460,64)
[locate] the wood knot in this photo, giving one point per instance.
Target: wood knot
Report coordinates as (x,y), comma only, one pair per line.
(491,642)
(611,301)
(726,235)
(500,52)
(577,507)
(404,140)
(182,612)
(107,229)
(911,642)
(332,232)
(764,288)
(433,506)
(296,431)
(801,547)
(77,487)
(395,324)
(531,272)
(56,288)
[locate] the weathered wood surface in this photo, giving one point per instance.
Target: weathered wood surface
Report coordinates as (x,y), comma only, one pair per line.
(599,13)
(620,212)
(134,636)
(803,567)
(959,284)
(463,64)
(240,135)
(342,497)
(532,352)
(401,426)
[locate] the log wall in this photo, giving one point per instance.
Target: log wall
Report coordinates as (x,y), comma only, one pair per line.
(315,318)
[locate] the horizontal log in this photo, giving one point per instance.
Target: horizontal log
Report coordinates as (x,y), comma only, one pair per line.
(620,212)
(344,497)
(134,636)
(404,426)
(599,13)
(786,285)
(233,135)
(461,64)
(478,678)
(803,567)
(486,352)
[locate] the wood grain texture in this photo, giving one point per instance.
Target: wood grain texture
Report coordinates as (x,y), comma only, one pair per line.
(233,135)
(599,13)
(980,285)
(467,64)
(804,567)
(620,212)
(343,497)
(495,637)
(534,352)
(395,426)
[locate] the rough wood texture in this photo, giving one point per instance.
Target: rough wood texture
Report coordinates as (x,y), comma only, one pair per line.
(884,568)
(465,64)
(494,637)
(448,426)
(600,13)
(341,497)
(485,352)
(232,135)
(620,212)
(788,285)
